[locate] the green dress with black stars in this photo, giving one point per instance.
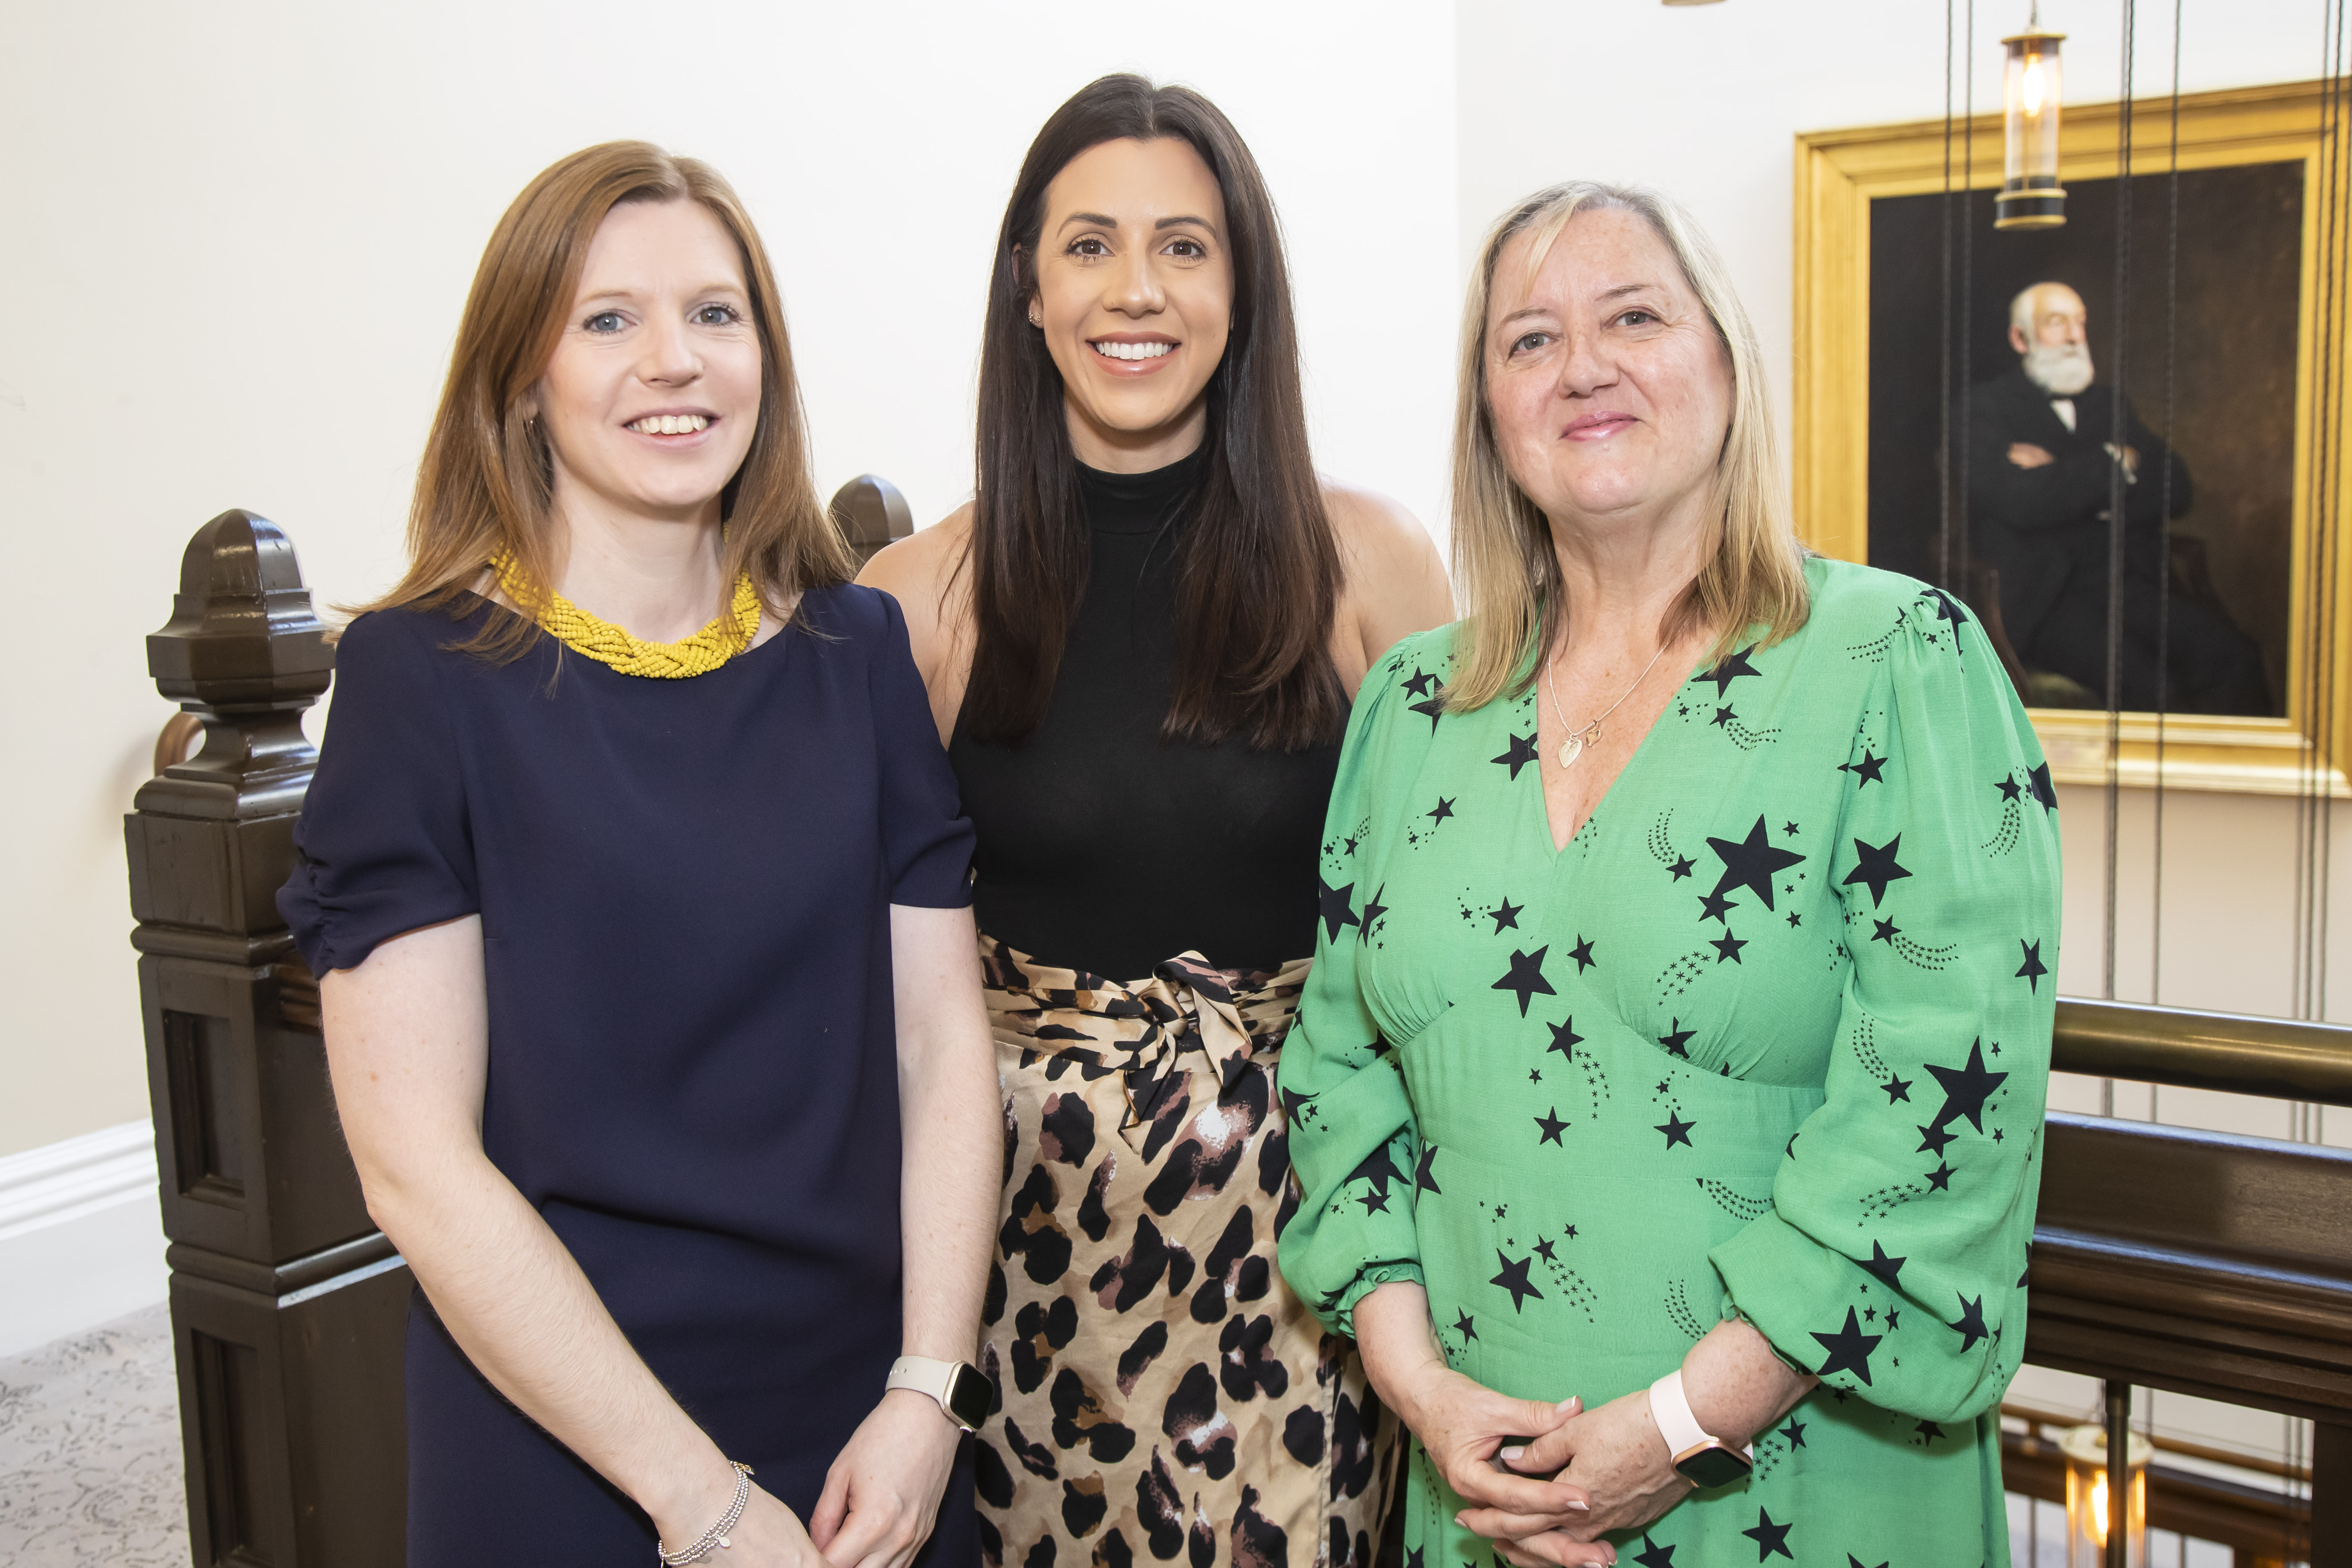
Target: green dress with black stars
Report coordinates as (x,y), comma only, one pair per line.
(1770,1036)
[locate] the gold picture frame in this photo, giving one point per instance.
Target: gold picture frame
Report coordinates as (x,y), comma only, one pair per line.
(1840,172)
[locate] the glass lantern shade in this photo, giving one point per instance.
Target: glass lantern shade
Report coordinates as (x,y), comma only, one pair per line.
(2031,196)
(2088,1513)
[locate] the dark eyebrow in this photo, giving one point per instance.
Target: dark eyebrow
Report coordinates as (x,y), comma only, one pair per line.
(1104,220)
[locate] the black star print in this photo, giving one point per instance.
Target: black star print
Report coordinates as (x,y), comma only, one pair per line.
(1514,1279)
(1940,1178)
(1676,1039)
(1972,1326)
(1770,1537)
(1868,771)
(1751,862)
(1564,1037)
(1378,1169)
(2007,787)
(1375,1202)
(1849,1349)
(1870,1314)
(1526,976)
(1534,1077)
(1662,1087)
(1724,716)
(1570,1233)
(1887,932)
(1522,753)
(1893,1320)
(1945,610)
(1928,1430)
(1682,867)
(1505,913)
(1727,945)
(1996,1135)
(1434,705)
(1731,670)
(1418,684)
(1790,828)
(1888,1269)
(1966,1088)
(2038,781)
(1551,1124)
(1877,868)
(1332,903)
(1896,1088)
(1676,1129)
(1373,909)
(1795,920)
(2032,969)
(1414,1559)
(1582,954)
(1715,907)
(1444,809)
(1654,1555)
(1422,1179)
(1794,1432)
(1935,1139)
(1545,1250)
(1349,844)
(1461,1325)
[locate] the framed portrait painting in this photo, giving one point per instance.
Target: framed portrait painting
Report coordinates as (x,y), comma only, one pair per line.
(1972,405)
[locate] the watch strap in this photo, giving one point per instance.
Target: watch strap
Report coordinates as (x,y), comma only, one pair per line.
(941,1380)
(1670,1408)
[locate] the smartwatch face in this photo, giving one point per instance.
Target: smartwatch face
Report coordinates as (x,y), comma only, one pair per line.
(1713,1466)
(969,1397)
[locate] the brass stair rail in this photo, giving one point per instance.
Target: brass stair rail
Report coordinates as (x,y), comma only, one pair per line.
(2233,1052)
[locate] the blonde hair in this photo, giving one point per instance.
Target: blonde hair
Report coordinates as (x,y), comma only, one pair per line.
(1504,568)
(484,485)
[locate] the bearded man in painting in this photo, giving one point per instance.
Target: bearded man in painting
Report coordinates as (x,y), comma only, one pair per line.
(2042,465)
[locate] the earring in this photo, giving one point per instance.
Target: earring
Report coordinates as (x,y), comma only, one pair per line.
(1036,316)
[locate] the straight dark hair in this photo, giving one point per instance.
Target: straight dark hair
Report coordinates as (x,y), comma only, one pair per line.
(1259,577)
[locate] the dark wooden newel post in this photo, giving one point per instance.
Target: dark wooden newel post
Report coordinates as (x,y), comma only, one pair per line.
(286,1304)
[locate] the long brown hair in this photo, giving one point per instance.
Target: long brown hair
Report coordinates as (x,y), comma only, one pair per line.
(484,485)
(1258,578)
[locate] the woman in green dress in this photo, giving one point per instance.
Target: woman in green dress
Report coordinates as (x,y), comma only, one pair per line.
(1667,1092)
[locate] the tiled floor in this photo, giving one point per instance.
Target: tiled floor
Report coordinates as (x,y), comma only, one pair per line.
(90,1451)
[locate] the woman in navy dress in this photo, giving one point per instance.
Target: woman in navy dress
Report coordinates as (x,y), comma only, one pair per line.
(646,964)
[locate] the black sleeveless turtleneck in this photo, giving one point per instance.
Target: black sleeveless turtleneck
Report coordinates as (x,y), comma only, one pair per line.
(1100,848)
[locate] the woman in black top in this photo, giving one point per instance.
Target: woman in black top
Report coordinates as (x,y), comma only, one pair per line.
(1140,641)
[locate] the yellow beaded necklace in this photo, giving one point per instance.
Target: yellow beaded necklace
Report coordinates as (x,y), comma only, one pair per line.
(575,628)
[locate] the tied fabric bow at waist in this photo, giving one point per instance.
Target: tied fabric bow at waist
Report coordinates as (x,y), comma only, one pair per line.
(1152,1033)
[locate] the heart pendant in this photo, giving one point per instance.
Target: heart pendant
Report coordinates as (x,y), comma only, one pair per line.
(1570,750)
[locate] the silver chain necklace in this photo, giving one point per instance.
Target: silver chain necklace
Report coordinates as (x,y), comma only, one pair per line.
(1590,735)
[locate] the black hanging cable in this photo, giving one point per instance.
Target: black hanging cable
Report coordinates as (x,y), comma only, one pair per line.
(2119,311)
(1967,292)
(2164,512)
(1945,456)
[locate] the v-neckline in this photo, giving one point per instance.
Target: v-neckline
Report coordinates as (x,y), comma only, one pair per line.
(1559,846)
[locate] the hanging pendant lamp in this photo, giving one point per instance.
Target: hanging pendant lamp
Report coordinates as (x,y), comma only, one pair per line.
(2031,196)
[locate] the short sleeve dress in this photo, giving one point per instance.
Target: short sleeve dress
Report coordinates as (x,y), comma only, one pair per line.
(1770,1035)
(684,888)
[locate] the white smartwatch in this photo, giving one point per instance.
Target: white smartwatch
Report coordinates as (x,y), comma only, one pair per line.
(1699,1457)
(963,1390)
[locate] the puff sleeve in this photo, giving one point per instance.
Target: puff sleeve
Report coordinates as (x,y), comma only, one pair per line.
(384,845)
(1892,1259)
(1353,1144)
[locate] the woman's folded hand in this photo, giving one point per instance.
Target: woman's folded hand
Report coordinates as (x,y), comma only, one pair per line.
(1619,1463)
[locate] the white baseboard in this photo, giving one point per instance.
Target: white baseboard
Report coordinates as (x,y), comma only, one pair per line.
(81,1234)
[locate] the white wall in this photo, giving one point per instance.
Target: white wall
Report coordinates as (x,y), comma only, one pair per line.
(238,238)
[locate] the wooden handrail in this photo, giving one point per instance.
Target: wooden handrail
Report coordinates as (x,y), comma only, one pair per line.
(2234,1052)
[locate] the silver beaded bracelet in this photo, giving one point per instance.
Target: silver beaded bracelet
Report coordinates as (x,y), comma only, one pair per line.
(717,1534)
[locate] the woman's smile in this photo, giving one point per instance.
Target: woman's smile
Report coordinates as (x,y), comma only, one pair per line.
(1597,425)
(674,428)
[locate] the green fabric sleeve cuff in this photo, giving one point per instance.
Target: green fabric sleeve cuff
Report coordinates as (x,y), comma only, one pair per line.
(1782,1281)
(1343,1317)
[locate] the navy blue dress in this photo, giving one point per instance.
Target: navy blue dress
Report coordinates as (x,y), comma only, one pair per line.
(684,888)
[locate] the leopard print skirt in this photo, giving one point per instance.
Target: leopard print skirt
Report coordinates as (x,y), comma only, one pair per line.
(1162,1392)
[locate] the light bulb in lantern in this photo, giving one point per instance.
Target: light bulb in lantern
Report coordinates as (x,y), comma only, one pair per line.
(2031,196)
(2087,1508)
